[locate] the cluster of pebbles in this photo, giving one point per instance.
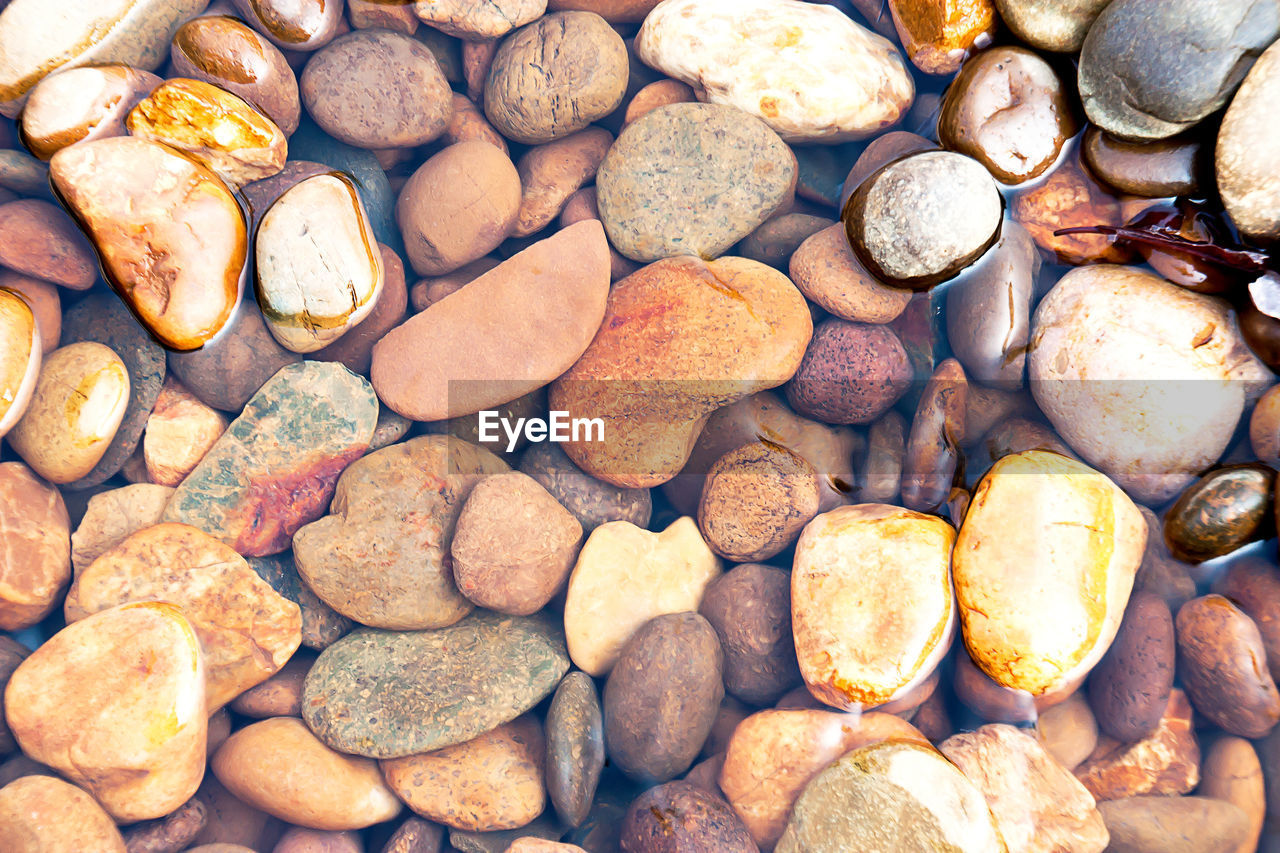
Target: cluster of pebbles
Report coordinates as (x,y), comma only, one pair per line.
(926,498)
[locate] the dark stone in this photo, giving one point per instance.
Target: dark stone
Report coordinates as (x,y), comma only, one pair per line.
(750,610)
(322,626)
(387,694)
(498,842)
(103,318)
(852,373)
(1129,689)
(575,747)
(593,502)
(415,835)
(1222,511)
(680,817)
(1169,167)
(275,467)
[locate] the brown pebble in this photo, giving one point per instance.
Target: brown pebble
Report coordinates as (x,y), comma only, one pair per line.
(1219,659)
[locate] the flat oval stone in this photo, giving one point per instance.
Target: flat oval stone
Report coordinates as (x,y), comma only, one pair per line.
(37,37)
(889,795)
(1043,567)
(382,556)
(437,687)
(275,467)
(1129,688)
(170,235)
(750,608)
(116,703)
(81,104)
(707,166)
(575,747)
(247,631)
(1248,151)
(21,360)
(319,269)
(103,318)
(213,126)
(1219,654)
(43,814)
(35,533)
(41,241)
(852,373)
(1150,169)
(78,403)
(1149,70)
(865,633)
(808,71)
(1222,511)
(1174,825)
(551,298)
(680,338)
(920,220)
(280,767)
(830,275)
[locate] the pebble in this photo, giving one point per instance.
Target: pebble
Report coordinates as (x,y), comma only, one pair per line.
(1068,198)
(78,402)
(21,360)
(920,220)
(1222,511)
(553,297)
(41,240)
(37,37)
(830,275)
(1038,805)
(931,457)
(1253,585)
(286,450)
(1231,772)
(555,77)
(280,767)
(1130,686)
(1165,761)
(575,747)
(469,122)
(299,839)
(1007,109)
(35,532)
(885,795)
(939,34)
(678,816)
(624,577)
(808,71)
(114,514)
(1174,825)
(756,501)
(319,269)
(1057,25)
(246,630)
(1168,167)
(81,104)
(593,502)
(43,300)
(1043,566)
(116,703)
(1219,649)
(212,126)
(551,173)
(280,695)
(865,633)
(1145,73)
(491,782)
(718,172)
(478,22)
(141,201)
(1247,152)
(659,93)
(304,25)
(377,89)
(775,241)
(355,348)
(852,373)
(1112,346)
(179,431)
(743,328)
(104,319)
(321,624)
(440,687)
(382,557)
(226,52)
(750,609)
(1068,731)
(661,697)
(41,813)
(371,14)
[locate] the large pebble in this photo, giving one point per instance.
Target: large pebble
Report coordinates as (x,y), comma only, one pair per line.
(555,77)
(679,816)
(661,697)
(377,89)
(382,556)
(116,703)
(1044,564)
(78,403)
(756,500)
(866,633)
(21,360)
(750,608)
(1039,807)
(81,104)
(488,783)
(894,795)
(35,532)
(43,814)
(438,688)
(275,467)
(247,632)
(1130,687)
(680,338)
(280,767)
(319,269)
(575,747)
(1248,152)
(1231,772)
(536,313)
(710,167)
(920,220)
(807,70)
(626,576)
(170,235)
(1224,510)
(1219,655)
(37,37)
(1144,379)
(1149,70)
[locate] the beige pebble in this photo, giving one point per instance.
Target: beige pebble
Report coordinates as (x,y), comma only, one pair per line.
(114,514)
(41,814)
(180,430)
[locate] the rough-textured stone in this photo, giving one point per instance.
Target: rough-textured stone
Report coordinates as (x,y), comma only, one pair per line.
(437,688)
(275,467)
(1167,761)
(112,515)
(575,747)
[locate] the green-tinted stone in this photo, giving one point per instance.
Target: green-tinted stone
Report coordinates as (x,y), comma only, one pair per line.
(103,318)
(275,467)
(387,694)
(321,624)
